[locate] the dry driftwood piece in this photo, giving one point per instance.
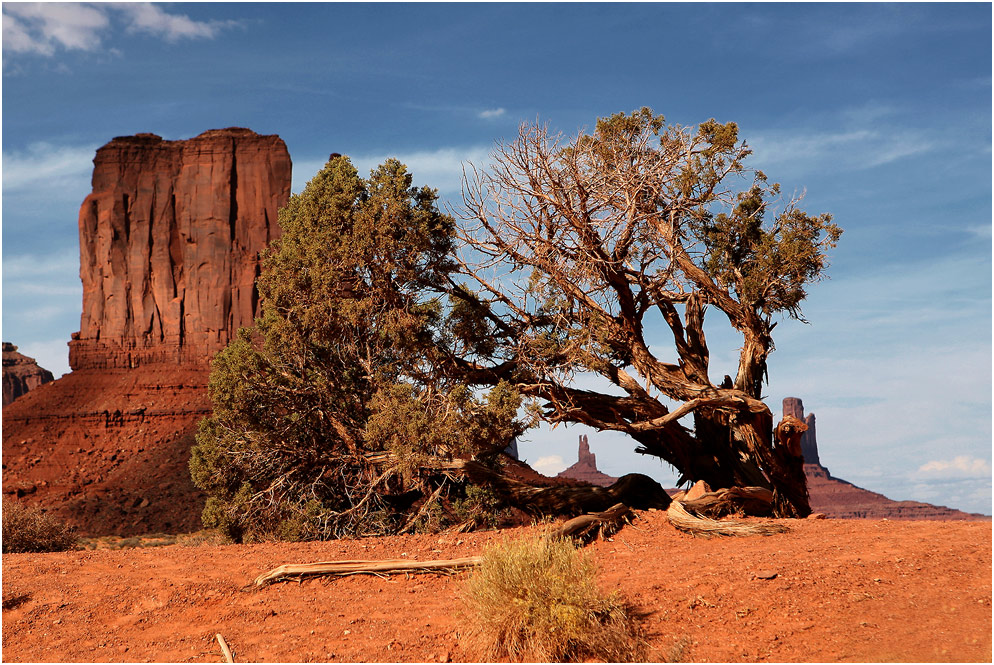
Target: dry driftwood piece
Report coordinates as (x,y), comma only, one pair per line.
(224,649)
(588,527)
(367,567)
(706,527)
(756,501)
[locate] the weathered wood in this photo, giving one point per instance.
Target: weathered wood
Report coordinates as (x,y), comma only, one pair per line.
(589,526)
(756,501)
(228,658)
(299,570)
(706,527)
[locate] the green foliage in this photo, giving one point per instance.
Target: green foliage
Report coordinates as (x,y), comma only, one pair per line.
(27,529)
(334,399)
(535,600)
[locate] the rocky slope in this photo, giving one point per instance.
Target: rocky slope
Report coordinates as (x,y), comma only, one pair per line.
(169,251)
(20,374)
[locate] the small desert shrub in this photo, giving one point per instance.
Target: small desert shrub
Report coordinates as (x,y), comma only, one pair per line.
(27,529)
(533,600)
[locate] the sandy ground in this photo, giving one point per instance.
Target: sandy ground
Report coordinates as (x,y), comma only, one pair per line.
(830,590)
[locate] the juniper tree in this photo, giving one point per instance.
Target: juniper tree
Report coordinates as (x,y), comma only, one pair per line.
(324,410)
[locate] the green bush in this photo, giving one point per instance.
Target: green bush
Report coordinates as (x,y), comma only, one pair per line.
(27,529)
(534,600)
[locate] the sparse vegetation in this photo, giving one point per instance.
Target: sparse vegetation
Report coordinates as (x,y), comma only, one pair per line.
(537,600)
(27,529)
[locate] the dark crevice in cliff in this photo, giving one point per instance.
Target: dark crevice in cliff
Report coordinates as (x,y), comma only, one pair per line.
(233,193)
(175,248)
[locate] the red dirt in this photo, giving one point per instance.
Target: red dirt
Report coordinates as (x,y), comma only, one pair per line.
(844,590)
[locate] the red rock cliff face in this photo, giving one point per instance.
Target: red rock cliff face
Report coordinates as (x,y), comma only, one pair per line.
(169,243)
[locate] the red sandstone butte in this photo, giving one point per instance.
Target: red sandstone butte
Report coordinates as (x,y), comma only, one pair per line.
(585,468)
(169,252)
(169,243)
(20,374)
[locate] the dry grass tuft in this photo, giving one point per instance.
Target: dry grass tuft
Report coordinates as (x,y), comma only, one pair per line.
(27,529)
(537,600)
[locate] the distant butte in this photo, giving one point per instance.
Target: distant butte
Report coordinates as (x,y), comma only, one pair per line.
(585,468)
(20,374)
(838,498)
(169,246)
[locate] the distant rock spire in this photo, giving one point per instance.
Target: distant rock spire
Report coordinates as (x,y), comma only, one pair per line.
(793,406)
(585,468)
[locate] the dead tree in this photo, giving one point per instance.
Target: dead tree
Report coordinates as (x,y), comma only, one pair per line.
(581,248)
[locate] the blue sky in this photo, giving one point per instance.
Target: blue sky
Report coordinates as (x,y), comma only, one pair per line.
(880,113)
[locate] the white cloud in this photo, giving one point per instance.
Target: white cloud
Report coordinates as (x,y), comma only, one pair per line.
(146,17)
(44,28)
(490,114)
(549,465)
(961,466)
(41,163)
(40,27)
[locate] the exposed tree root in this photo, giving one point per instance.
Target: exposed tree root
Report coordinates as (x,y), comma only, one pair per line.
(757,501)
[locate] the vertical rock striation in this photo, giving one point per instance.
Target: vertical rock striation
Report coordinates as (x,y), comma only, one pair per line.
(169,243)
(20,374)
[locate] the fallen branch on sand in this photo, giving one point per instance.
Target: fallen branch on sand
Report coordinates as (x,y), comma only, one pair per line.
(583,528)
(706,527)
(365,567)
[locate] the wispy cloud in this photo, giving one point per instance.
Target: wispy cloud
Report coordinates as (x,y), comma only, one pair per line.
(148,18)
(41,27)
(41,163)
(857,149)
(490,114)
(961,466)
(549,465)
(45,28)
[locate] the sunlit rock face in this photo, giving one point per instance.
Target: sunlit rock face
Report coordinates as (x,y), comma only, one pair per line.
(169,253)
(169,245)
(838,498)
